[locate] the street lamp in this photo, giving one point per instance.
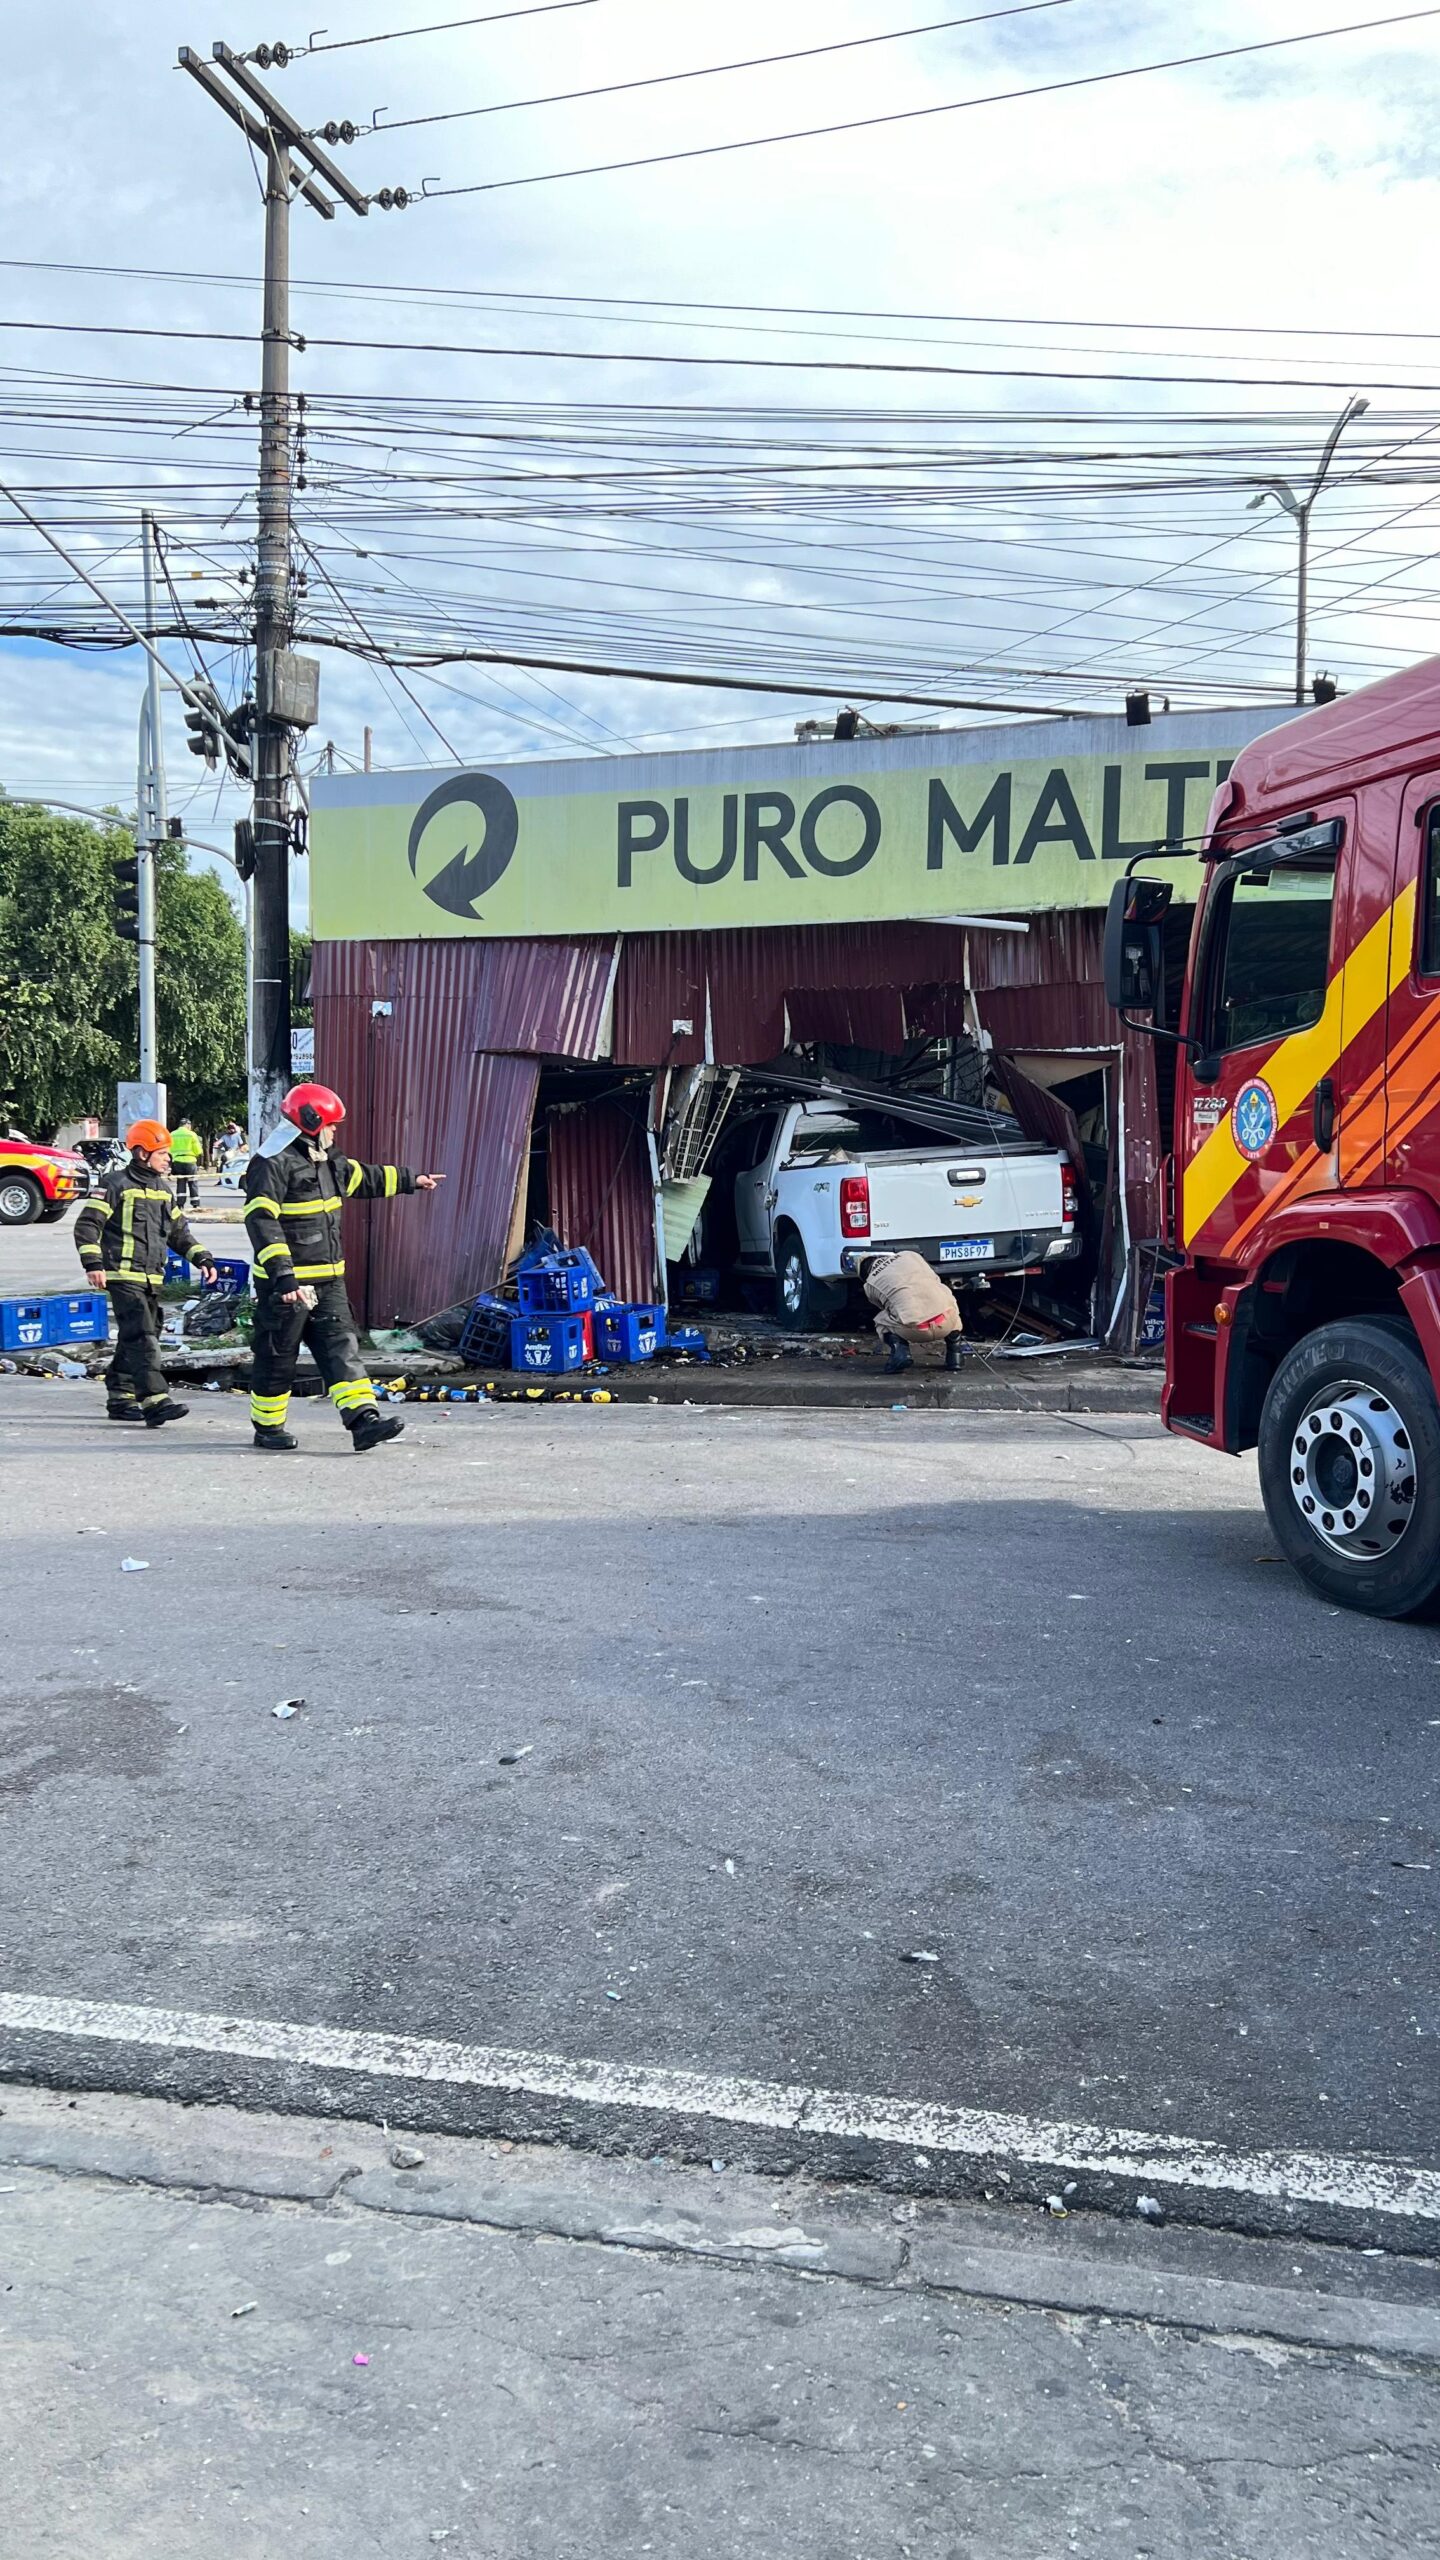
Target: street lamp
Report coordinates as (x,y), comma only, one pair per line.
(1299,508)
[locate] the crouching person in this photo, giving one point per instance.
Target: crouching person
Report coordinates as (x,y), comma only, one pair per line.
(122,1235)
(913,1304)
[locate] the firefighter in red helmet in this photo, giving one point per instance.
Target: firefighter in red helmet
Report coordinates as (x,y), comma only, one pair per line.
(295,1188)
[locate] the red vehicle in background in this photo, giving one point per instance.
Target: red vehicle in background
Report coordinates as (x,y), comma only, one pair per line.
(1303,1319)
(38,1182)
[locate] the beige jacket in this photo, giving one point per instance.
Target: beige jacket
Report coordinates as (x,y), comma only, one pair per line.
(912,1298)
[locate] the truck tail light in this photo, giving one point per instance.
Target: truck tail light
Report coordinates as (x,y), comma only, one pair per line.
(1069,1195)
(855,1205)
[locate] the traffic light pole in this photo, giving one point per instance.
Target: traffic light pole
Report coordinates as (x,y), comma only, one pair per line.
(150,813)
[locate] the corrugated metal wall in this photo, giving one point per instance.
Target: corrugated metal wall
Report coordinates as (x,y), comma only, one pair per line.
(435,1045)
(601,1194)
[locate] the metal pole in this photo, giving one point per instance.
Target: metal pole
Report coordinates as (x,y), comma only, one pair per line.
(150,831)
(1302,599)
(269,974)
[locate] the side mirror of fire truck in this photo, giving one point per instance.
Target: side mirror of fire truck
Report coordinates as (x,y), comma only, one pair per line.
(1135,944)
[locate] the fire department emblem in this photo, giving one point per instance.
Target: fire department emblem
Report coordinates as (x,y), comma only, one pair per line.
(1255,1118)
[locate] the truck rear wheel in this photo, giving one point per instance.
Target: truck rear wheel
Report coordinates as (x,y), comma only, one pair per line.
(803,1304)
(1350,1466)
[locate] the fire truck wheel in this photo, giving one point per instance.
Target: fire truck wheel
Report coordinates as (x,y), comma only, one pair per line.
(1350,1466)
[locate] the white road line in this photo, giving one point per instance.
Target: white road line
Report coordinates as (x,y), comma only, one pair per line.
(1354,2182)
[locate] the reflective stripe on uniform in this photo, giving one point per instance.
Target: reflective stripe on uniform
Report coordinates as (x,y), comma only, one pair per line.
(319,1270)
(392,1181)
(268,1412)
(97,1209)
(273,1253)
(307,1208)
(262,1200)
(351,1392)
(354,1179)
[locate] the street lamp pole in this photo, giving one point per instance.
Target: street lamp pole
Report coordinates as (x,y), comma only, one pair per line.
(1299,508)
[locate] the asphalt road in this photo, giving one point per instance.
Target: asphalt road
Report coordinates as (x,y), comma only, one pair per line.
(799,1696)
(42,1259)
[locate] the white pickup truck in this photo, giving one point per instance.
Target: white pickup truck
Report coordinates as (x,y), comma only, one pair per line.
(822,1184)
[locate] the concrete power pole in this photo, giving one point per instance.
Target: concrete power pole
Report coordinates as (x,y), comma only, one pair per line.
(286,687)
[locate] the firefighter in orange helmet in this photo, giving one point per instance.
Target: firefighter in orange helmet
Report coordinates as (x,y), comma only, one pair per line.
(122,1235)
(296,1185)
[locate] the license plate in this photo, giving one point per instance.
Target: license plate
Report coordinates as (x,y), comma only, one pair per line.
(969,1249)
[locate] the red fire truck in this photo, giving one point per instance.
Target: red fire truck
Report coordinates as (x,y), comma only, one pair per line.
(1303,1317)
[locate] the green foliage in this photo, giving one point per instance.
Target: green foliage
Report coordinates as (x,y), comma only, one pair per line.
(61,967)
(301,1011)
(69,1003)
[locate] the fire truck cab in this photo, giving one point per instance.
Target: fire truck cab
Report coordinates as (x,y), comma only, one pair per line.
(1303,1314)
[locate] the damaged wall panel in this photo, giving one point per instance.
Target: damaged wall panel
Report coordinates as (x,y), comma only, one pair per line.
(601,1192)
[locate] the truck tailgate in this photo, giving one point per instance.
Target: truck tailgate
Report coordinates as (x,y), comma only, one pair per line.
(922,1194)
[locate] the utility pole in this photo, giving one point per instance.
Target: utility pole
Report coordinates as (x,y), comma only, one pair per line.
(151,813)
(286,687)
(1299,509)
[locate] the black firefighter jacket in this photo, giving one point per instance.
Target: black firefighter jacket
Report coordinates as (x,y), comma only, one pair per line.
(293,1202)
(129,1224)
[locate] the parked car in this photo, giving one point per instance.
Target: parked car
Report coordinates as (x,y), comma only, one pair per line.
(38,1182)
(820,1185)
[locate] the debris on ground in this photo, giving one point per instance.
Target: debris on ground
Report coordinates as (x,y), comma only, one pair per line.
(1150,2207)
(508,1759)
(285,1708)
(403,2155)
(134,1564)
(920,1955)
(241,2308)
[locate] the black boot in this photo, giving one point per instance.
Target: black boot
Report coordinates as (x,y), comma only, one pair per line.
(117,1410)
(899,1355)
(952,1351)
(270,1436)
(169,1411)
(371,1426)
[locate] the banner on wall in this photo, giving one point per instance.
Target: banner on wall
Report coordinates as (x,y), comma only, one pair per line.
(980,821)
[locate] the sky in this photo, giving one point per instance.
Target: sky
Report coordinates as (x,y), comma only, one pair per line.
(1241,238)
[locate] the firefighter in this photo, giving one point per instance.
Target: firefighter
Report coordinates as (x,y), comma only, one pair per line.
(122,1234)
(914,1306)
(295,1187)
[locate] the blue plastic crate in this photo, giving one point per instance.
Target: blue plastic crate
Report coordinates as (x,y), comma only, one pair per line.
(22,1324)
(232,1274)
(548,1344)
(701,1285)
(85,1318)
(563,1284)
(485,1340)
(687,1337)
(628,1333)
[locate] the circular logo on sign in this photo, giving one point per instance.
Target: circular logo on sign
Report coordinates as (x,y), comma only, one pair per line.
(461,840)
(1255,1118)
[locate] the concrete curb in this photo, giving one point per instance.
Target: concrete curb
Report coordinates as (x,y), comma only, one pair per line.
(1281,2293)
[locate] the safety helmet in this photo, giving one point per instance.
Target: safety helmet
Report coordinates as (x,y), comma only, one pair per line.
(147,1137)
(313,1107)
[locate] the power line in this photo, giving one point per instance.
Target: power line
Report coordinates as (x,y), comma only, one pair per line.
(911,115)
(744,364)
(713,70)
(442,27)
(755,310)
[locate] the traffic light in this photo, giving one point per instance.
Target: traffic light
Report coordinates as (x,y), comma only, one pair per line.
(239,731)
(127,897)
(204,722)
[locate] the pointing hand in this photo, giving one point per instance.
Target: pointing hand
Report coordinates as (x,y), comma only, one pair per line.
(428,1181)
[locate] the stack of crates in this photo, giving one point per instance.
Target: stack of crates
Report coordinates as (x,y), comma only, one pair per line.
(44,1324)
(547,1344)
(559,1284)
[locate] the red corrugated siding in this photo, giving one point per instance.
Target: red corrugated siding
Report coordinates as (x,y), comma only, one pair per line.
(1058,1017)
(1066,949)
(601,1194)
(750,973)
(418,1094)
(545,998)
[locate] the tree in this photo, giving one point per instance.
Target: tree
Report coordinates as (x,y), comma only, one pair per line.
(59,966)
(69,996)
